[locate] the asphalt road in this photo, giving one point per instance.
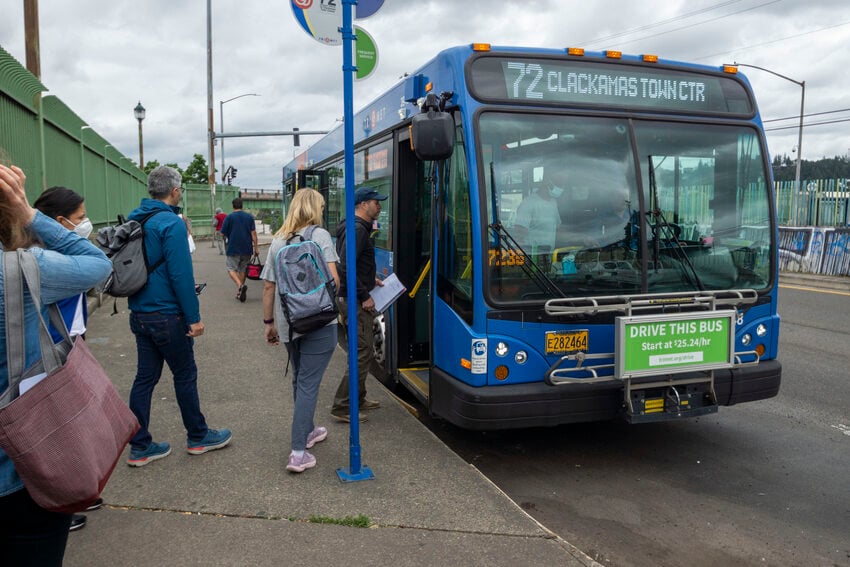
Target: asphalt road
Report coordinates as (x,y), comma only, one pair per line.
(764,483)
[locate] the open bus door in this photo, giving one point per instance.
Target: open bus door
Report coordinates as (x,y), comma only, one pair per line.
(306,178)
(409,334)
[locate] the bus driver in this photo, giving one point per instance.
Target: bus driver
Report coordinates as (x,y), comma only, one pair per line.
(537,217)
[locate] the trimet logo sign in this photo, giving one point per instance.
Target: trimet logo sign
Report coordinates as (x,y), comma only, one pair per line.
(303,4)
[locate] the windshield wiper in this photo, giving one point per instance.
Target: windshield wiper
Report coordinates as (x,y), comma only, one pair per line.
(671,232)
(537,275)
(507,243)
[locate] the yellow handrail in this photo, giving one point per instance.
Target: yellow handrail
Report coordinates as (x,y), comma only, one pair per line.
(419,280)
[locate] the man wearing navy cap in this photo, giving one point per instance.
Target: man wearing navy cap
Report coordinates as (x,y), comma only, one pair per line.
(367,208)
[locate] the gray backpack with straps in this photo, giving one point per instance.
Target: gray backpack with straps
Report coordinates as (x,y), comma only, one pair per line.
(124,245)
(305,285)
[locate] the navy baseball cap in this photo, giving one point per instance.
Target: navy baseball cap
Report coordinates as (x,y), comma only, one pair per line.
(367,194)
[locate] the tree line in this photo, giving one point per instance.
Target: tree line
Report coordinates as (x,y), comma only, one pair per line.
(785,168)
(196,172)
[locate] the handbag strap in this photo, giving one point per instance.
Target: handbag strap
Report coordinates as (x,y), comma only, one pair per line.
(20,267)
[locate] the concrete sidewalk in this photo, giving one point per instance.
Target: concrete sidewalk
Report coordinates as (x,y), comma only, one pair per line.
(239,506)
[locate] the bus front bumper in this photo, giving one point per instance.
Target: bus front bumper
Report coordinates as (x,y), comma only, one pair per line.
(537,404)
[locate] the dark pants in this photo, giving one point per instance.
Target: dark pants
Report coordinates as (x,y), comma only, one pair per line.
(161,337)
(29,534)
(365,353)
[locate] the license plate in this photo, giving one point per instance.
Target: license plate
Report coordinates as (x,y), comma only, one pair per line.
(564,342)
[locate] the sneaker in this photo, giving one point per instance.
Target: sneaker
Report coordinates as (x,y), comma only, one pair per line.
(369,405)
(153,452)
(214,439)
(243,291)
(199,288)
(96,506)
(317,435)
(78,522)
(343,415)
(302,463)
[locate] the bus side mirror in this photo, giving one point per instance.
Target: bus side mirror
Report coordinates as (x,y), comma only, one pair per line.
(432,134)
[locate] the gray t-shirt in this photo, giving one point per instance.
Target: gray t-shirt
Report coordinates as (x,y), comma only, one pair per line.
(321,237)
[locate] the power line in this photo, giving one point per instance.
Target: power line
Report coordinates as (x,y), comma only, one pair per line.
(659,23)
(700,23)
(770,42)
(807,125)
(806,115)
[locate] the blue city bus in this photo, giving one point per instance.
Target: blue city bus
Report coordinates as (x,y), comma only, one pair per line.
(584,236)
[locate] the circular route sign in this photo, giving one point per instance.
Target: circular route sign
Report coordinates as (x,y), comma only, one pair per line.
(321,19)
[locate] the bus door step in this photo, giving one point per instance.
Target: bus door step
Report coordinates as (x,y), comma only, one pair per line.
(669,399)
(417,380)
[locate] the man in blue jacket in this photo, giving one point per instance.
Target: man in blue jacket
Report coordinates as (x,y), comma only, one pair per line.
(165,318)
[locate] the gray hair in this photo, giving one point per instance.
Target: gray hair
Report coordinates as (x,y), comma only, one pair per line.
(162,180)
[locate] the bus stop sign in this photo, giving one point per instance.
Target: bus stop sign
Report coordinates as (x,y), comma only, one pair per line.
(320,19)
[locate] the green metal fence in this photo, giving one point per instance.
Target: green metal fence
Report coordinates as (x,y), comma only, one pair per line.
(54,146)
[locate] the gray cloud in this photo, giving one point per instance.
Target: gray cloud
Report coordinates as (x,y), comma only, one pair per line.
(101,58)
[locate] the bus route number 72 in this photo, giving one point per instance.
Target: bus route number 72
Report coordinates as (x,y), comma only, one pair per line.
(534,74)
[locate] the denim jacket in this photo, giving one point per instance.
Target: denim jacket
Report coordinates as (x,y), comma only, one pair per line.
(69,265)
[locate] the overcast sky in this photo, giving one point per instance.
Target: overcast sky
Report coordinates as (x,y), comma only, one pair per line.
(101,57)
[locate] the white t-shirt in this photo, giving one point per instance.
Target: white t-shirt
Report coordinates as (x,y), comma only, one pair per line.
(321,237)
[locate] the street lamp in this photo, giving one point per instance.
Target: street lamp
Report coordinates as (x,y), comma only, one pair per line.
(221,125)
(802,85)
(139,113)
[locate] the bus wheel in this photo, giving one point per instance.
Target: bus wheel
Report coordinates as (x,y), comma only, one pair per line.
(378,345)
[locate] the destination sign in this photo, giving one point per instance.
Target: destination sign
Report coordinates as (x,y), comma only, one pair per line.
(596,83)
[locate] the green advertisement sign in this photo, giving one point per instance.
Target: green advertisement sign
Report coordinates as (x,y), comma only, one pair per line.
(659,344)
(365,53)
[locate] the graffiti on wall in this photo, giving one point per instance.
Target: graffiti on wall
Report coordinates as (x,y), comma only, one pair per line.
(817,250)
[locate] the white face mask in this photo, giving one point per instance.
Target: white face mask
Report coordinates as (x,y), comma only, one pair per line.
(556,191)
(84,228)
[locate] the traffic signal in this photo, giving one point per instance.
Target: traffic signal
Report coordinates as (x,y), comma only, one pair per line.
(296,137)
(233,172)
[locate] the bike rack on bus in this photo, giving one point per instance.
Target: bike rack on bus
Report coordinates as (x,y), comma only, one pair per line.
(605,372)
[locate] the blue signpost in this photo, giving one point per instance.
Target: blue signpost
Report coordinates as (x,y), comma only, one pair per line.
(316,18)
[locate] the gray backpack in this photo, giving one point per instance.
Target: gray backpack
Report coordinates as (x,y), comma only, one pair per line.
(125,246)
(305,286)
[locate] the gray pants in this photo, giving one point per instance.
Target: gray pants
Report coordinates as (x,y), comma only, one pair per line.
(365,353)
(309,355)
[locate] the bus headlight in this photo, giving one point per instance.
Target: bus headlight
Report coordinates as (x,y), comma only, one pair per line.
(520,357)
(761,330)
(501,349)
(746,339)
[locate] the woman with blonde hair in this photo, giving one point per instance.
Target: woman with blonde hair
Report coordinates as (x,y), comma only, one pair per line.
(311,352)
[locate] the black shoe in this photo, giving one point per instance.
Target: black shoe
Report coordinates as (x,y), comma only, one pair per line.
(96,506)
(78,522)
(242,293)
(199,288)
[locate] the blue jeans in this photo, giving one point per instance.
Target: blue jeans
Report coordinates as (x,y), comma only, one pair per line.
(309,355)
(162,337)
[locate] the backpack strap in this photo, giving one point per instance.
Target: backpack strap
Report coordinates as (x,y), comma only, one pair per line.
(159,262)
(308,232)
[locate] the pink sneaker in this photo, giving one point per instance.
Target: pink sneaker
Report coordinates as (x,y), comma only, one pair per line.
(315,436)
(302,463)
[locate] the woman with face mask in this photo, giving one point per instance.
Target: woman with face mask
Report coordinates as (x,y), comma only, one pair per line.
(67,207)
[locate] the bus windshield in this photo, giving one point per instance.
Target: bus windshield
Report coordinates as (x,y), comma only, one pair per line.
(580,206)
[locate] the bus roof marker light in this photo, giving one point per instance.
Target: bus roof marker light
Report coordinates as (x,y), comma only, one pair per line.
(480,47)
(577,51)
(612,54)
(730,69)
(648,58)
